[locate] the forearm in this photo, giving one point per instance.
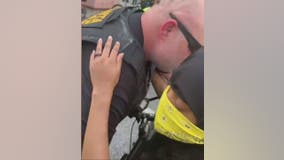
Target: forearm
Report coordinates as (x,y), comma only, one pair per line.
(96,137)
(159,83)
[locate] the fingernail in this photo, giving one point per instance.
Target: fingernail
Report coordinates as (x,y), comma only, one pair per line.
(109,37)
(117,42)
(100,40)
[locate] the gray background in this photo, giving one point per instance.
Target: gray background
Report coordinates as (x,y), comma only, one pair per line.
(244,80)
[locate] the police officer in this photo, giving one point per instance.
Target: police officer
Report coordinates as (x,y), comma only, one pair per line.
(157,37)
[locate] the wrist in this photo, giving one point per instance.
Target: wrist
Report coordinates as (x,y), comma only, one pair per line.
(104,91)
(100,101)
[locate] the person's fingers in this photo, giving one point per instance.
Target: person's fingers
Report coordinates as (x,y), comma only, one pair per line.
(119,60)
(114,51)
(91,64)
(92,57)
(99,47)
(107,47)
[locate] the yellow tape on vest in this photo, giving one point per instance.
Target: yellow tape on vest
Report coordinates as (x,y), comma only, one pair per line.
(98,17)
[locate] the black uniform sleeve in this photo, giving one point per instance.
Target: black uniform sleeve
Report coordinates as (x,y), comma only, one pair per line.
(124,92)
(123,96)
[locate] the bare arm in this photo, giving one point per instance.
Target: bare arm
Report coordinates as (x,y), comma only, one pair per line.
(96,136)
(105,71)
(159,81)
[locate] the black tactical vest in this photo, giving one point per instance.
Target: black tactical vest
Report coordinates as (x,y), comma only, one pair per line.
(115,23)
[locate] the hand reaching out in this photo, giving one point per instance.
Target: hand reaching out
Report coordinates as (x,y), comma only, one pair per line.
(105,66)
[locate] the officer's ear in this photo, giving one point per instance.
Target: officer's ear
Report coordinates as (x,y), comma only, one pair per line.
(167,27)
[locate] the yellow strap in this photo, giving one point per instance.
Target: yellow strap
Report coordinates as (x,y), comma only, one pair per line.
(170,122)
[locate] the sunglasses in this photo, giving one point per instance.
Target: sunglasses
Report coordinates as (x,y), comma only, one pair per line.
(193,44)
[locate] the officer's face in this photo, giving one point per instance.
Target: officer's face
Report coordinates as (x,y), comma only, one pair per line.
(171,50)
(175,43)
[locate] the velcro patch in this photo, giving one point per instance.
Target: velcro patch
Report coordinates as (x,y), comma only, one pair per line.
(98,17)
